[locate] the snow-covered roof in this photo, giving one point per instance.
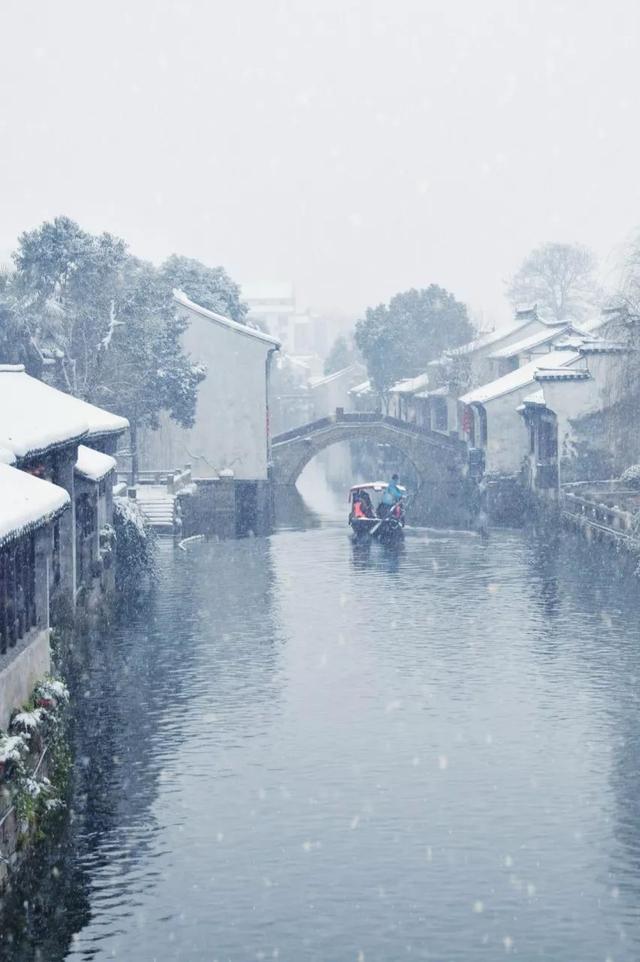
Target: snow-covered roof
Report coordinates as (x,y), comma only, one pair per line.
(328,378)
(535,400)
(519,378)
(181,298)
(100,422)
(26,502)
(527,343)
(363,388)
(294,361)
(35,417)
(560,374)
(94,465)
(437,392)
(410,385)
(603,346)
(593,324)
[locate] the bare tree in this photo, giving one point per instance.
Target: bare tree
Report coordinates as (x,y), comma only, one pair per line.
(560,279)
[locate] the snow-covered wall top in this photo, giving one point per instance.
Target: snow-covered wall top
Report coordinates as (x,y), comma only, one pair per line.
(94,465)
(181,298)
(35,416)
(26,502)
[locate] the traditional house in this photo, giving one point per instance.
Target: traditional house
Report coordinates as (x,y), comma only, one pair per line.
(229,445)
(231,431)
(95,475)
(363,398)
(29,509)
(565,441)
(473,363)
(333,390)
(43,429)
(402,398)
(490,419)
(431,399)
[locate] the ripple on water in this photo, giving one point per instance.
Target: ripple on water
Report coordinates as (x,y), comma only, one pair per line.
(328,751)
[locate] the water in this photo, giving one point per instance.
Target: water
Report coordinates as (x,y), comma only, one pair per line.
(310,752)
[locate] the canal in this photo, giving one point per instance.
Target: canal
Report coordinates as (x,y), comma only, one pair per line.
(305,751)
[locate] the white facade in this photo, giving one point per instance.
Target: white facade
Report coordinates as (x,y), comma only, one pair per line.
(572,400)
(498,427)
(231,431)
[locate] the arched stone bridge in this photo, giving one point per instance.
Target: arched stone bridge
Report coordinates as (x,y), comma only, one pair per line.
(439,460)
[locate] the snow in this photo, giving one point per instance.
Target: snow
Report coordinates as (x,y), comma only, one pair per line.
(328,378)
(520,377)
(437,392)
(560,374)
(484,340)
(534,340)
(26,502)
(410,385)
(7,456)
(100,422)
(94,465)
(131,513)
(12,748)
(181,298)
(535,400)
(35,416)
(28,721)
(361,389)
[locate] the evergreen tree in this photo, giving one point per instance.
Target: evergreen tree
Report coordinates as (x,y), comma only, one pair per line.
(339,357)
(399,339)
(211,287)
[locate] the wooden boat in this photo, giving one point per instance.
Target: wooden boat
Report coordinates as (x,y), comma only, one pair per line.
(370,517)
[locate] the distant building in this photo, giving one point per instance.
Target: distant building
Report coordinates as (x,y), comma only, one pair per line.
(333,390)
(303,334)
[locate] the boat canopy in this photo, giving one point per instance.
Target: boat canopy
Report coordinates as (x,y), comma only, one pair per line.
(378,486)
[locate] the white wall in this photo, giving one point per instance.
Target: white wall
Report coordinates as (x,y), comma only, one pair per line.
(30,662)
(507,434)
(231,414)
(574,399)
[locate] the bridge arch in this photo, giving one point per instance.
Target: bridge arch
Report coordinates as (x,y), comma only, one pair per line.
(439,460)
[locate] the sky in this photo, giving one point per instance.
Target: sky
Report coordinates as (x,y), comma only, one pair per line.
(355,147)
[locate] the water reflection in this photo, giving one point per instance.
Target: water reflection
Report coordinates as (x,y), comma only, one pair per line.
(313,748)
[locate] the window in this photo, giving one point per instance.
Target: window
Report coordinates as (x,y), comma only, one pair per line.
(17,591)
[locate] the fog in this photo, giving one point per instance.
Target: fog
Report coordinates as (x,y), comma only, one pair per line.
(356,148)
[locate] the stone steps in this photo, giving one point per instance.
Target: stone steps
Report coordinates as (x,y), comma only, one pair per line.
(158,507)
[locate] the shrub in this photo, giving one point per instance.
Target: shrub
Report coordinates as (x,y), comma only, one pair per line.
(631,476)
(135,543)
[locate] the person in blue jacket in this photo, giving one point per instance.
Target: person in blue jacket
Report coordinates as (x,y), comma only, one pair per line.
(393,494)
